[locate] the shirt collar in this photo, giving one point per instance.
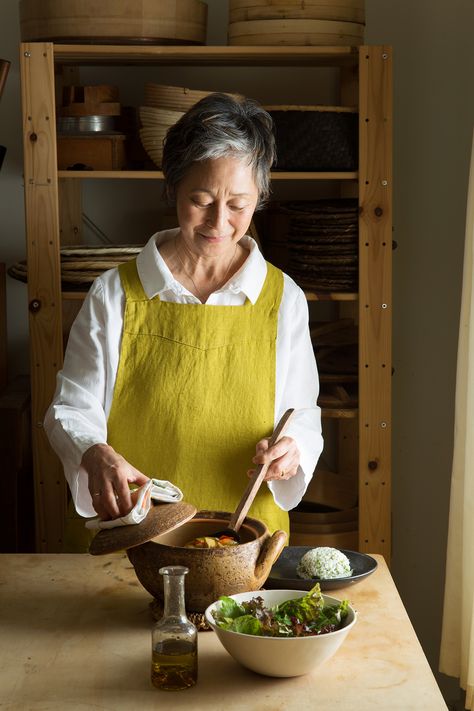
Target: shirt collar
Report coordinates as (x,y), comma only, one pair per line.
(156,278)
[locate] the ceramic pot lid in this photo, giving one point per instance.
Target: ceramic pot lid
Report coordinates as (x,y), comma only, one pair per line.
(160,519)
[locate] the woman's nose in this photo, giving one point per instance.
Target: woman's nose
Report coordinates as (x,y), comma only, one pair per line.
(217,217)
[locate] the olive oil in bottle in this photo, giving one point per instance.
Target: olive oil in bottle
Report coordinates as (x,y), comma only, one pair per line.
(174,637)
(174,665)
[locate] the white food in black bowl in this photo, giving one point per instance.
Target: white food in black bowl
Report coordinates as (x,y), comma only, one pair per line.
(324,563)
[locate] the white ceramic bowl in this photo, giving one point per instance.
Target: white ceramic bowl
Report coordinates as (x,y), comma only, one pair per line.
(281,656)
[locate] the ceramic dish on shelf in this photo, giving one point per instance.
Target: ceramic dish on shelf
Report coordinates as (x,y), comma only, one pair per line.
(283,573)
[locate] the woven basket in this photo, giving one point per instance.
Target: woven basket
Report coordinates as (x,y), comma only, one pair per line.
(315,138)
(80,265)
(152,139)
(151,116)
(175,98)
(155,124)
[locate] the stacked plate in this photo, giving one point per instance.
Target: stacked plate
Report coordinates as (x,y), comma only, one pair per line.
(155,123)
(296,22)
(323,244)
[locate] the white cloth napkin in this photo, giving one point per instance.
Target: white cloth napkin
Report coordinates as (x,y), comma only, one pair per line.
(154,489)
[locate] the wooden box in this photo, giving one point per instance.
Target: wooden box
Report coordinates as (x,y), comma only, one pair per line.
(102,152)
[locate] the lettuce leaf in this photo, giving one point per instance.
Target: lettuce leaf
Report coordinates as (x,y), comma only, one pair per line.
(230,608)
(247,625)
(304,608)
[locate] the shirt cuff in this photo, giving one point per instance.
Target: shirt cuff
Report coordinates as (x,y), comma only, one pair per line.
(288,493)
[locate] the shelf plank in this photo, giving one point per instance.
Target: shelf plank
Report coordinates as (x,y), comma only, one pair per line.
(205,55)
(158,175)
(335,413)
(328,175)
(331,296)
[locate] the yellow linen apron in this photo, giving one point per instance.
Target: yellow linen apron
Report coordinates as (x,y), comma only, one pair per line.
(195,391)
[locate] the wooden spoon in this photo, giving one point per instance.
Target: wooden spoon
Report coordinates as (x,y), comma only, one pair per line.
(253,486)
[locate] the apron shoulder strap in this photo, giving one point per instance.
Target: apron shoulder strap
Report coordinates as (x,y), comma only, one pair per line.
(272,290)
(131,281)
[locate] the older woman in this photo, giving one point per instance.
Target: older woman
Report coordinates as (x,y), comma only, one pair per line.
(180,362)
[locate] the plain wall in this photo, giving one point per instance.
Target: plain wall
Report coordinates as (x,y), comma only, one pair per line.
(433,122)
(433,125)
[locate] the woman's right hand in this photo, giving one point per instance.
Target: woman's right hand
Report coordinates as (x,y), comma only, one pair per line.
(109,476)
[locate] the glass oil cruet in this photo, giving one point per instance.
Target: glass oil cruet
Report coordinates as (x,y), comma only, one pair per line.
(174,637)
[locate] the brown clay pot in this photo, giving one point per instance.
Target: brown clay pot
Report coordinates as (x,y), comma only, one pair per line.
(213,571)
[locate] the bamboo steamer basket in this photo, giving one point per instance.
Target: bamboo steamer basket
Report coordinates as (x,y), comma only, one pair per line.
(340,10)
(299,32)
(114,21)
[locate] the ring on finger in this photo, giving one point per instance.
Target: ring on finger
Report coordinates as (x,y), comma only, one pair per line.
(97,493)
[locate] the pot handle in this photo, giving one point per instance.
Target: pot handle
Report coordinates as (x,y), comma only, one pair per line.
(271,549)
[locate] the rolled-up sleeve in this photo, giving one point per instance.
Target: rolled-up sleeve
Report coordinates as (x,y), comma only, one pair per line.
(297,386)
(76,418)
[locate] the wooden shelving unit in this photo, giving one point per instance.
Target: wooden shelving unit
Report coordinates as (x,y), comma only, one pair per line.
(365,81)
(158,175)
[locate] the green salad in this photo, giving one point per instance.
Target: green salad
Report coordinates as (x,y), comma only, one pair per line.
(300,617)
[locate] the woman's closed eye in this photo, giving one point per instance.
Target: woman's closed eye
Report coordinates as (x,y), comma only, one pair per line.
(202,204)
(205,205)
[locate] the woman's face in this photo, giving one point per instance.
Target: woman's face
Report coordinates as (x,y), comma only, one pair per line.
(215,203)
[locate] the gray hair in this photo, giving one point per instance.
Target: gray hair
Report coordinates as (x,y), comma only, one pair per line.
(220,125)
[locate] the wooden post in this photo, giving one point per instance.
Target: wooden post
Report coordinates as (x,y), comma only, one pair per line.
(69,191)
(375,298)
(44,280)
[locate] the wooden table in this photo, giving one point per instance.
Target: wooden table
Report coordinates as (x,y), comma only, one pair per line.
(75,636)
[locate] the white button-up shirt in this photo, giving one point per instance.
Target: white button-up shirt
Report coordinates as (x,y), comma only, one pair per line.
(77,417)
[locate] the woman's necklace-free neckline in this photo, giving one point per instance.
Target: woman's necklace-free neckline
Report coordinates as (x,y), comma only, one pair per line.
(219,285)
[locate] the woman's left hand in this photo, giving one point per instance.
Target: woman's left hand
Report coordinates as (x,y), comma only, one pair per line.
(283,456)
